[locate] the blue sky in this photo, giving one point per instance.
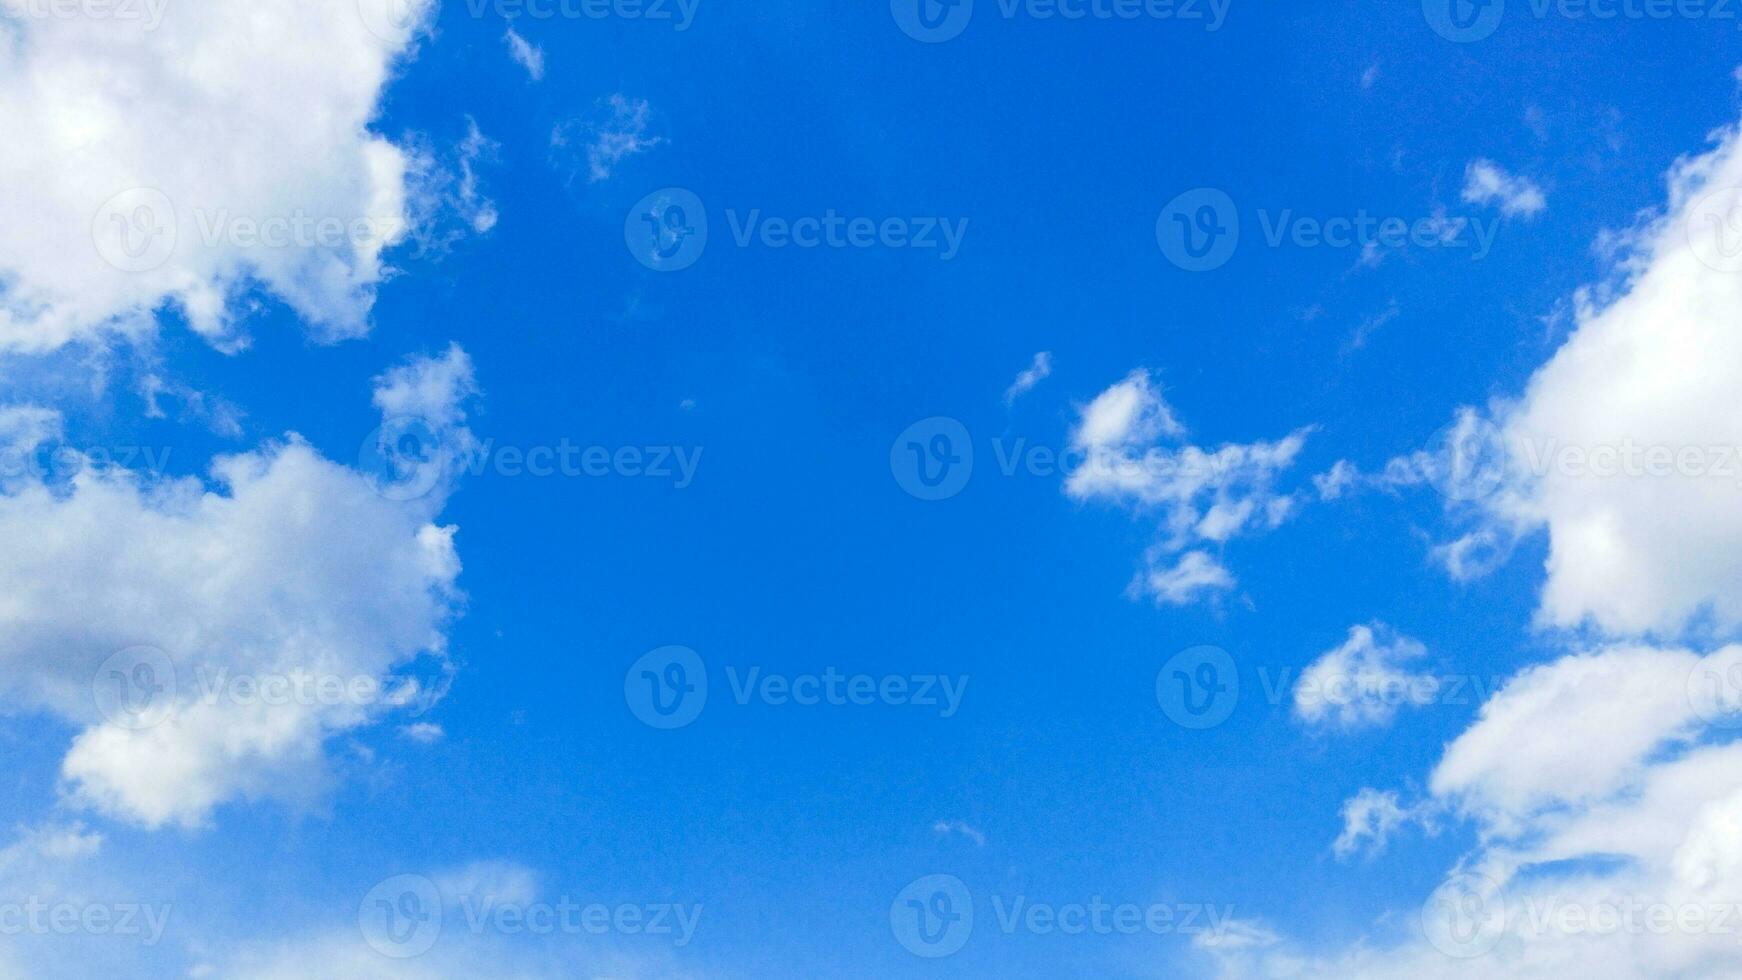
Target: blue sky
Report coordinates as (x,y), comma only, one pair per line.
(1269,458)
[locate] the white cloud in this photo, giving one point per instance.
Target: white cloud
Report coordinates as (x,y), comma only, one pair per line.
(1201,497)
(944,828)
(1337,480)
(1624,445)
(1364,682)
(1596,788)
(1486,183)
(126,592)
(1369,816)
(1195,575)
(525,54)
(1130,412)
(615,131)
(1039,371)
(139,156)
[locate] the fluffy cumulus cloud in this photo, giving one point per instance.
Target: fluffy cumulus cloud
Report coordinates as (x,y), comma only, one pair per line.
(207,637)
(1603,788)
(1364,682)
(178,155)
(1607,802)
(1624,446)
(1130,450)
